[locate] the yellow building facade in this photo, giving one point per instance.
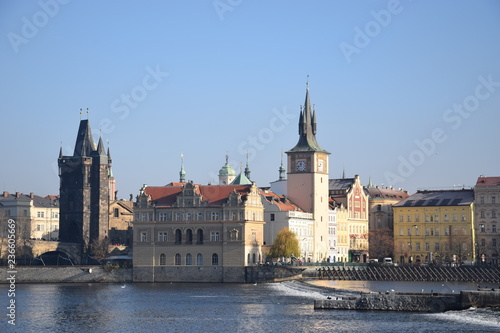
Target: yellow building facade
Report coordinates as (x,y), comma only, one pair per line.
(435,227)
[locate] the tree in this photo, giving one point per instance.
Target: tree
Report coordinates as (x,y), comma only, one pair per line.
(285,244)
(381,243)
(100,249)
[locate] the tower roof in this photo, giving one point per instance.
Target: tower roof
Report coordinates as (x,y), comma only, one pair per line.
(227,169)
(307,129)
(241,179)
(84,145)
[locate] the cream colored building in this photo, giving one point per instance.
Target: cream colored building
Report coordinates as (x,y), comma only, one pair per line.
(349,195)
(36,217)
(280,213)
(198,233)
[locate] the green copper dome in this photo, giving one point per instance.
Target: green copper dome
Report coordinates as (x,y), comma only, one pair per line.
(227,170)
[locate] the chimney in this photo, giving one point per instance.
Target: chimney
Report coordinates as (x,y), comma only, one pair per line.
(32,195)
(5,194)
(17,195)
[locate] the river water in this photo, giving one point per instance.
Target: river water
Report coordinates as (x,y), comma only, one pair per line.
(280,307)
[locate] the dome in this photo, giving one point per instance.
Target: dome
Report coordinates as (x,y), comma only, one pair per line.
(227,170)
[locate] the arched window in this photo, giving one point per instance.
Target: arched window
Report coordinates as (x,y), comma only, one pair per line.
(199,259)
(253,258)
(215,259)
(248,259)
(177,259)
(163,260)
(188,259)
(178,236)
(199,236)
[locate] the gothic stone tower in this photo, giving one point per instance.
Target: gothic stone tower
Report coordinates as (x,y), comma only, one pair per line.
(84,190)
(307,184)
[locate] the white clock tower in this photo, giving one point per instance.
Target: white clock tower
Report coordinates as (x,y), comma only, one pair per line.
(307,183)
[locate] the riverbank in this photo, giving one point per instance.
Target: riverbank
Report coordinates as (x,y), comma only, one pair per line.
(66,274)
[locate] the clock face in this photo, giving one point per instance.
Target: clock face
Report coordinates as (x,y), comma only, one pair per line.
(321,165)
(301,165)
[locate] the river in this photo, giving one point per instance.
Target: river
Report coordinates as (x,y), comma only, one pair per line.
(180,307)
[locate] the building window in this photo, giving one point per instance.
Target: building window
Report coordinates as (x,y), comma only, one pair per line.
(163,260)
(436,247)
(436,232)
(493,228)
(454,217)
(481,200)
(214,236)
(200,216)
(188,259)
(409,231)
(447,231)
(272,217)
(199,236)
(494,214)
(199,259)
(189,236)
(427,246)
(215,216)
(463,217)
(162,237)
(163,216)
(401,232)
(379,223)
(215,259)
(483,242)
(178,236)
(254,236)
(144,236)
(177,259)
(417,218)
(400,218)
(427,231)
(408,218)
(144,217)
(446,217)
(253,258)
(40,227)
(427,217)
(417,246)
(379,208)
(493,200)
(494,242)
(116,212)
(38,214)
(481,228)
(436,218)
(483,215)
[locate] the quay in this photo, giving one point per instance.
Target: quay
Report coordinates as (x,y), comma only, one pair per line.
(413,302)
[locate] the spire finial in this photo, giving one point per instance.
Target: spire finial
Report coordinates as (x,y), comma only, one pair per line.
(227,158)
(307,82)
(281,168)
(80,113)
(88,113)
(182,173)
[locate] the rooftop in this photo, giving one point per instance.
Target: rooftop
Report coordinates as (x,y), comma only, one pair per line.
(438,198)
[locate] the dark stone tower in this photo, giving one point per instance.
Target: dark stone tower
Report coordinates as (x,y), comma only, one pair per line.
(84,191)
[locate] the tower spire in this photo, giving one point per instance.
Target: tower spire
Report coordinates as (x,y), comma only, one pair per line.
(307,126)
(247,168)
(182,173)
(282,169)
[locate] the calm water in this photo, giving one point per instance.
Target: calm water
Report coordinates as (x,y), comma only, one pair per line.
(283,307)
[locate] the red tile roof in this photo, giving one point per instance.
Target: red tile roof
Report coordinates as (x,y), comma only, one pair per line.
(488,181)
(215,195)
(281,201)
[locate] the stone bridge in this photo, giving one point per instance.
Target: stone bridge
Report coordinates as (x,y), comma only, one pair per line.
(68,251)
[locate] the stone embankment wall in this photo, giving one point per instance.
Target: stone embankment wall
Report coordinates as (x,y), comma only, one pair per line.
(60,274)
(412,302)
(264,274)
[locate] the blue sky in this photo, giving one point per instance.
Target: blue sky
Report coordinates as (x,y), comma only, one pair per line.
(406,92)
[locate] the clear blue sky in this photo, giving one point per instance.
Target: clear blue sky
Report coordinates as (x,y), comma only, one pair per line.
(229,77)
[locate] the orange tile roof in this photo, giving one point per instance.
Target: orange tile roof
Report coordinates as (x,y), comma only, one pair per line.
(488,181)
(215,195)
(281,201)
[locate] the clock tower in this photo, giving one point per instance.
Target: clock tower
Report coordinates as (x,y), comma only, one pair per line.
(307,184)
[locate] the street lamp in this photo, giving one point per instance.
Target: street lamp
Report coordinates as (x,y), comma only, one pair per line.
(411,247)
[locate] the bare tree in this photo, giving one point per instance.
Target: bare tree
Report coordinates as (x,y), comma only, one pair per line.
(381,243)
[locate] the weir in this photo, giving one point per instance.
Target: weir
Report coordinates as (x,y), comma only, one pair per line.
(404,273)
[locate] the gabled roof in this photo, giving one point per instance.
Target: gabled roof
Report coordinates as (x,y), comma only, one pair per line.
(386,193)
(488,181)
(84,145)
(438,198)
(213,195)
(280,201)
(340,184)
